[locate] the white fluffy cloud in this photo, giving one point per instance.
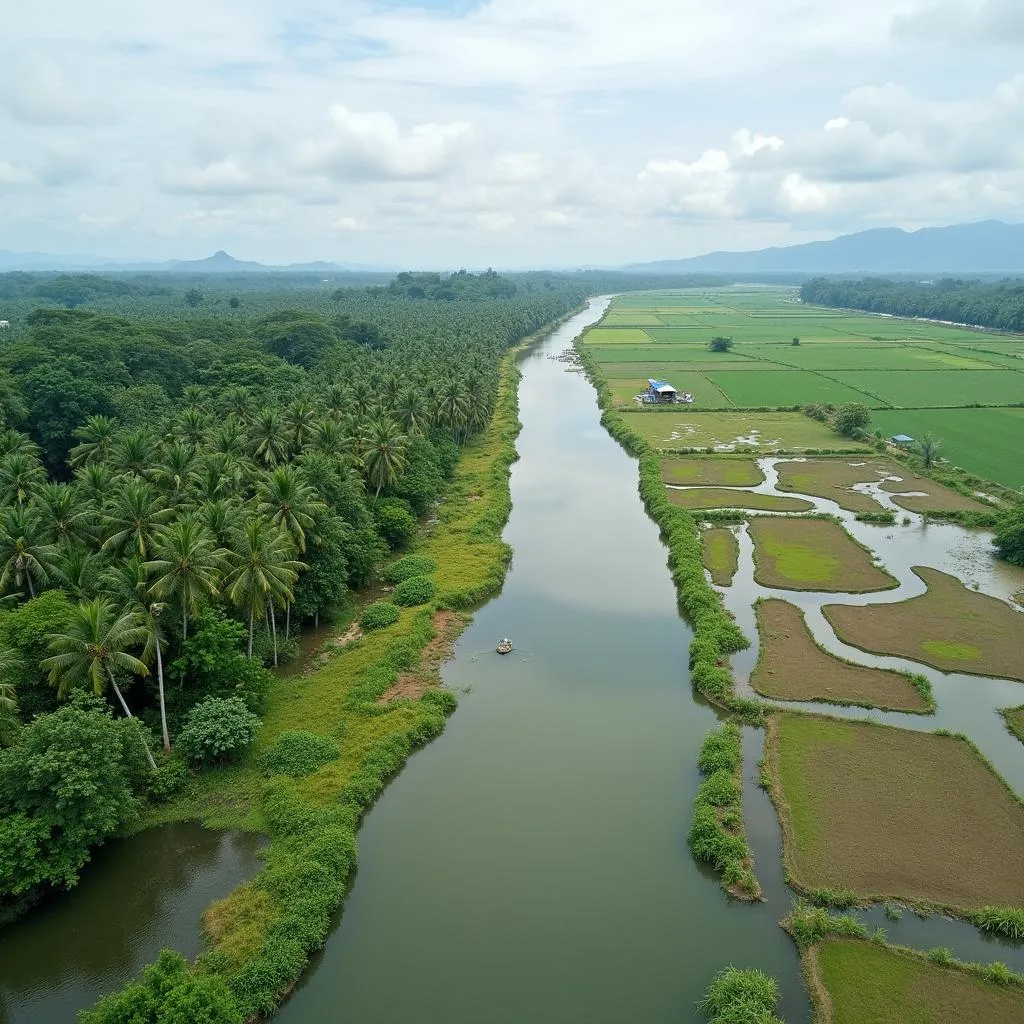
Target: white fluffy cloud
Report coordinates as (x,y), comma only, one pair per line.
(501,131)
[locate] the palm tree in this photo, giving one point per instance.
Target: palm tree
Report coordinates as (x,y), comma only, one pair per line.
(217,476)
(174,472)
(928,448)
(10,665)
(25,556)
(135,453)
(221,517)
(263,570)
(76,569)
(453,408)
(186,567)
(238,401)
(229,439)
(192,396)
(332,439)
(289,502)
(335,399)
(191,426)
(128,582)
(268,438)
(96,439)
(95,479)
(21,475)
(15,442)
(384,458)
(411,411)
(64,512)
(95,644)
(135,512)
(299,422)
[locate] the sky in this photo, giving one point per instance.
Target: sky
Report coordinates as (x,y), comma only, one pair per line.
(447,133)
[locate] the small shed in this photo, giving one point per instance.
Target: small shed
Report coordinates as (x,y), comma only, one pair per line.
(4,324)
(901,440)
(660,391)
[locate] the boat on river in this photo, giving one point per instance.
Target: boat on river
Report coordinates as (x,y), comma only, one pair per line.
(504,646)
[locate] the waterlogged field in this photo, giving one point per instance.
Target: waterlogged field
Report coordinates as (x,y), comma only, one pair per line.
(964,386)
(893,813)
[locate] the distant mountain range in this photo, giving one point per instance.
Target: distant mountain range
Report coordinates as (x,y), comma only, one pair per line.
(987,247)
(219,263)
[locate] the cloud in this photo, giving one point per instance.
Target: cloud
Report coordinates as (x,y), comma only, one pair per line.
(225,177)
(349,224)
(371,146)
(495,221)
(12,176)
(518,169)
(34,91)
(995,22)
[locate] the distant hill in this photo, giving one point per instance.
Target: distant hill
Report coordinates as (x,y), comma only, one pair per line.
(219,263)
(987,247)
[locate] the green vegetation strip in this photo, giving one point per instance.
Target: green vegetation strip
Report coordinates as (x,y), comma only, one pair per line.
(728,497)
(721,553)
(717,836)
(949,627)
(741,997)
(871,813)
(1014,718)
(264,932)
(813,554)
(791,666)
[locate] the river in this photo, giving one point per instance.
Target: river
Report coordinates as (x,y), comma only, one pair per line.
(531,865)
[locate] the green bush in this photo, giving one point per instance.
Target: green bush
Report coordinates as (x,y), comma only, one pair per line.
(415,590)
(216,729)
(168,779)
(378,615)
(406,566)
(395,521)
(1006,921)
(741,997)
(169,993)
(298,753)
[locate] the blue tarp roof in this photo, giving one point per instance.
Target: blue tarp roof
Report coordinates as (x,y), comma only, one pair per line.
(902,438)
(659,384)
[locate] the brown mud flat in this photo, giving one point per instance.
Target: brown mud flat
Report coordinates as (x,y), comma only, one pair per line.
(853,981)
(949,627)
(719,472)
(813,554)
(448,625)
(893,814)
(791,666)
(835,478)
(728,497)
(721,554)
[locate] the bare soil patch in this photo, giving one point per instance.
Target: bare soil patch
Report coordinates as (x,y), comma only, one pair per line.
(721,554)
(864,982)
(813,554)
(728,497)
(791,666)
(894,814)
(412,685)
(949,627)
(720,472)
(934,496)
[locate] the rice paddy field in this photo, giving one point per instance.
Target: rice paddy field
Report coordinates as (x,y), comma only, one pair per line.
(964,386)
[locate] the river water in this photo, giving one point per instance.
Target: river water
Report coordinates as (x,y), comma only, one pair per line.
(136,897)
(531,865)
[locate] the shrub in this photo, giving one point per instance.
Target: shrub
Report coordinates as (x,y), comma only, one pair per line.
(741,997)
(720,750)
(217,728)
(720,344)
(1007,921)
(395,521)
(168,779)
(378,615)
(415,590)
(406,566)
(298,753)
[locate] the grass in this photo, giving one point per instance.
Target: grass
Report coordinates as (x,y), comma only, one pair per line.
(893,814)
(914,389)
(736,996)
(721,554)
(986,442)
(712,472)
(735,431)
(1014,718)
(726,497)
(705,394)
(783,388)
(867,982)
(813,554)
(791,666)
(948,627)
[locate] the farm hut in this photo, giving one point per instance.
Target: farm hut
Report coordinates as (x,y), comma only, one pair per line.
(660,391)
(4,324)
(901,440)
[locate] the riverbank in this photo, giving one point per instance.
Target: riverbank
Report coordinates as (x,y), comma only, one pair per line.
(262,935)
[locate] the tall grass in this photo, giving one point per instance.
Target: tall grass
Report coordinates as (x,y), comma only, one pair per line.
(741,997)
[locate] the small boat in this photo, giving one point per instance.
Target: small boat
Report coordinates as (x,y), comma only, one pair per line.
(505,647)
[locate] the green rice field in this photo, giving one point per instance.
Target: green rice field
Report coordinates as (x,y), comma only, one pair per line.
(964,386)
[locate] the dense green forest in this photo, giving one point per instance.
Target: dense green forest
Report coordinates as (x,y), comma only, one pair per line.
(999,305)
(186,483)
